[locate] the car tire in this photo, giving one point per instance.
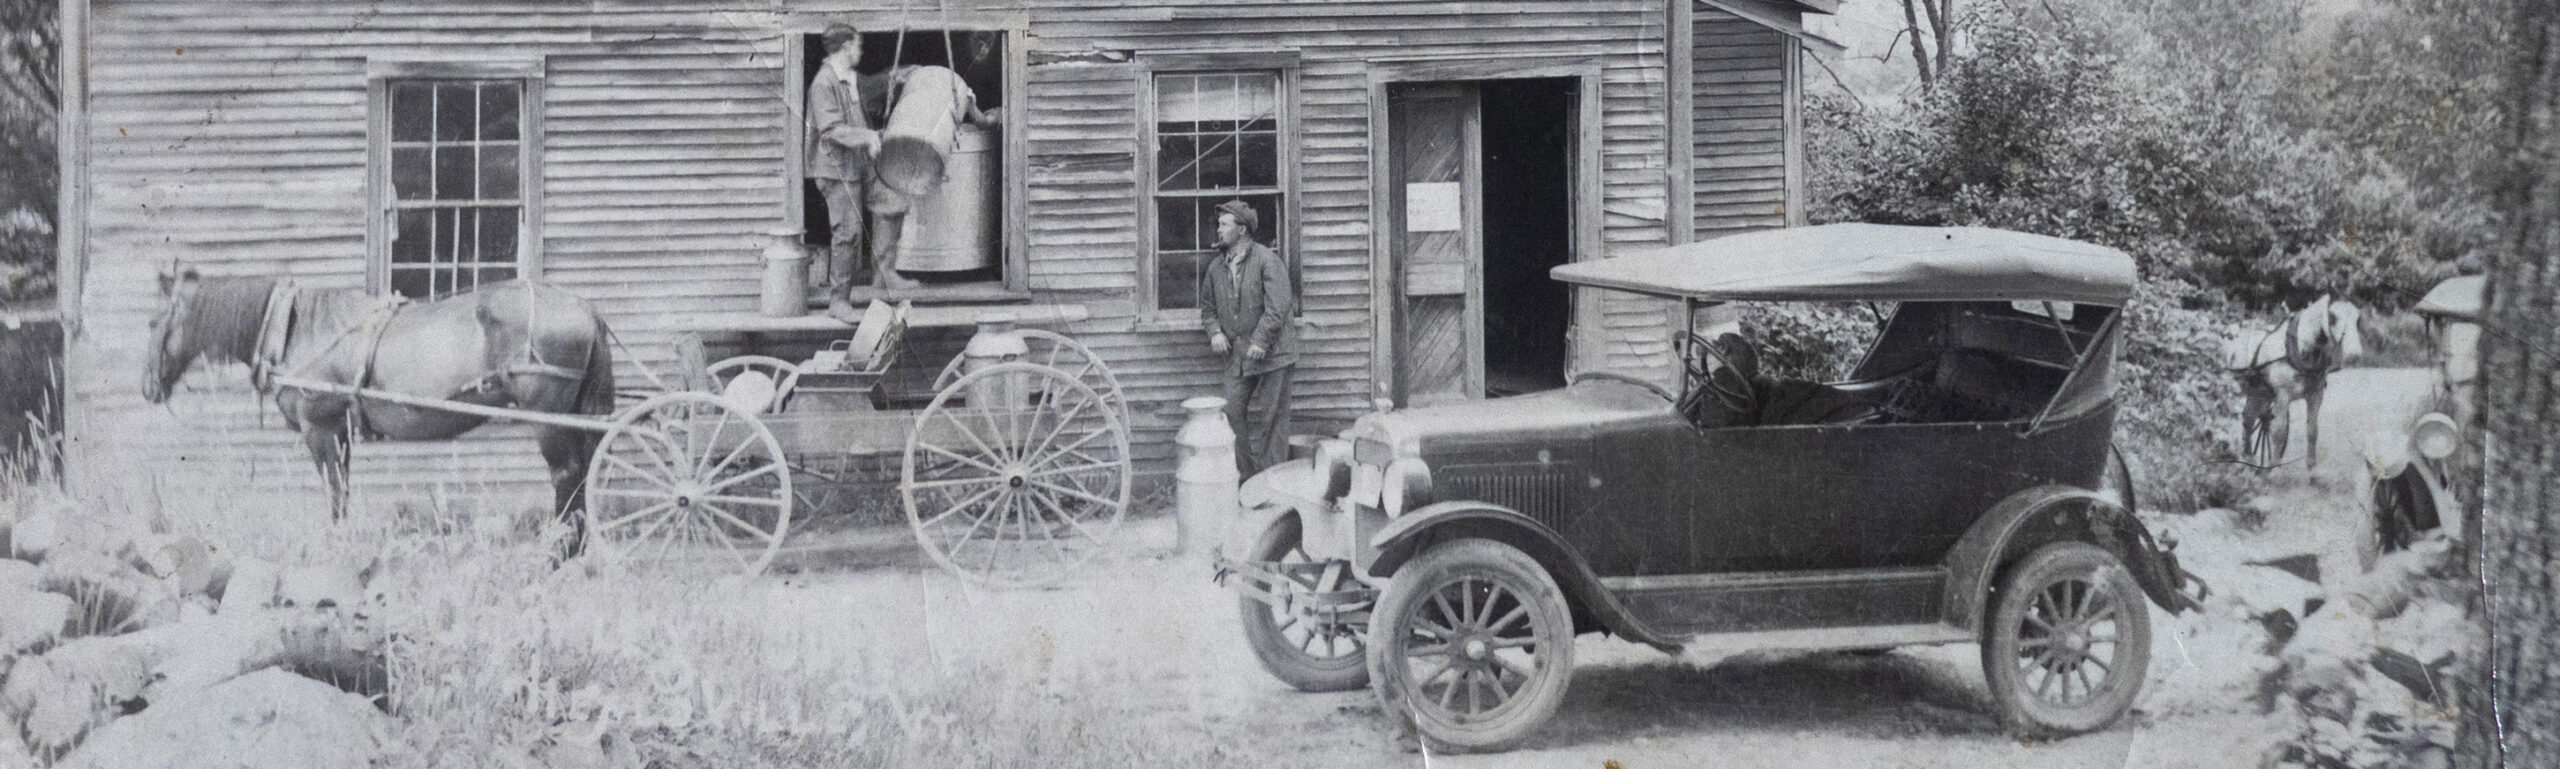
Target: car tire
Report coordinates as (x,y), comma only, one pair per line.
(1308,655)
(1504,671)
(2069,616)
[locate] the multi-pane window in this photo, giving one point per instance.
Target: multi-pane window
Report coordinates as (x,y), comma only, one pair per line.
(457,178)
(1217,138)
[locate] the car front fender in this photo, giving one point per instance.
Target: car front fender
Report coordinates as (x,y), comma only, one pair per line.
(2052,513)
(1409,534)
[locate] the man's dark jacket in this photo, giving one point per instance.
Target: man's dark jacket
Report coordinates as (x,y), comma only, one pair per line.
(1252,305)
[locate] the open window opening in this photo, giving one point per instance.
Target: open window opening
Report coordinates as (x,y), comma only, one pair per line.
(953,242)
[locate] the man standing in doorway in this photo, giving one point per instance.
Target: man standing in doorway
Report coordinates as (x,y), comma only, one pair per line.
(846,112)
(1249,308)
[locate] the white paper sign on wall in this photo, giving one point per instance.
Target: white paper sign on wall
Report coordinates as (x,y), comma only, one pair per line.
(1433,207)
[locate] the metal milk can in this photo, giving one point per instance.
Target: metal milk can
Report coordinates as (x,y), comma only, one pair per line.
(1205,476)
(996,342)
(786,275)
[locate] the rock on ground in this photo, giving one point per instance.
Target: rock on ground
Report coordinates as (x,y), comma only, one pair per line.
(265,719)
(29,618)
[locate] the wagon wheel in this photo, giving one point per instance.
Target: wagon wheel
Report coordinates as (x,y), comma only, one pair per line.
(1058,351)
(1020,484)
(782,374)
(686,474)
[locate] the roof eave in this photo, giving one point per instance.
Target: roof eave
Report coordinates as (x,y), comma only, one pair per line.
(1785,17)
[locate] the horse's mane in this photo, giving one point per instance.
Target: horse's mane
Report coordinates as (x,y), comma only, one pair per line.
(226,314)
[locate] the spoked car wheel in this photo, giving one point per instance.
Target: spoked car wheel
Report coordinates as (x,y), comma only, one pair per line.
(688,476)
(1473,641)
(2069,642)
(1313,649)
(1015,475)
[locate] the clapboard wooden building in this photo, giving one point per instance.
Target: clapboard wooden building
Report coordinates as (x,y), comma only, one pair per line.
(1422,164)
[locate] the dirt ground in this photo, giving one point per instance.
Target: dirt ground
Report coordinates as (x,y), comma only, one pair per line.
(1152,634)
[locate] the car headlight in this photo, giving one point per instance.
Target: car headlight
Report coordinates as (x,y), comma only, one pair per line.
(2435,436)
(1407,485)
(1333,468)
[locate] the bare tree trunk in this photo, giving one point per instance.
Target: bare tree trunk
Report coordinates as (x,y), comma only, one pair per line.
(1919,43)
(1942,17)
(2520,535)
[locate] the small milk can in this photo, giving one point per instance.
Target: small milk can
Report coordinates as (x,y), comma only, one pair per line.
(995,342)
(786,275)
(1204,475)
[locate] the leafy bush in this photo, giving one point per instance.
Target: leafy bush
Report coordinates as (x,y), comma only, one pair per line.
(2055,133)
(1812,341)
(2165,128)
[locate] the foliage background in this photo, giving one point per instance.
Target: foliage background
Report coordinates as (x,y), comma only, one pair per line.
(29,99)
(2250,154)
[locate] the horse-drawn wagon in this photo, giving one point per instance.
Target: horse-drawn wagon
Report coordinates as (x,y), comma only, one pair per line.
(1014,473)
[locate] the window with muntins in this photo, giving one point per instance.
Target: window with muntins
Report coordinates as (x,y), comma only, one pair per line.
(457,170)
(1216,138)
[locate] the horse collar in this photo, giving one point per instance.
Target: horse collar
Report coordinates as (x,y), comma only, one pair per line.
(275,335)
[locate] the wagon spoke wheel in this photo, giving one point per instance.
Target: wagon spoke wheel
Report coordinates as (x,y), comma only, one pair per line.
(780,374)
(688,477)
(1015,475)
(1058,351)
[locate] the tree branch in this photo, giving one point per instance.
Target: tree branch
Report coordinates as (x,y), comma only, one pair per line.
(1919,48)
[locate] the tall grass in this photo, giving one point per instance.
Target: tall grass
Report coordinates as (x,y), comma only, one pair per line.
(496,658)
(495,653)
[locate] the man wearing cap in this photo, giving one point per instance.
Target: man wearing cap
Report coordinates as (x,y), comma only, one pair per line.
(846,112)
(1249,309)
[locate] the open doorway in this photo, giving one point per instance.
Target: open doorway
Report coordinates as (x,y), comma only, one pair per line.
(1528,228)
(1480,204)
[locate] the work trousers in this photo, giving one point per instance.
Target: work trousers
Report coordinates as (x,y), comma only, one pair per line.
(851,205)
(1258,411)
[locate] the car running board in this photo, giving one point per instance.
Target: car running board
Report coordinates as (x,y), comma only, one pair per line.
(1829,638)
(1700,605)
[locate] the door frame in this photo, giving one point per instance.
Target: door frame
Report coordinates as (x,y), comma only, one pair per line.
(1586,183)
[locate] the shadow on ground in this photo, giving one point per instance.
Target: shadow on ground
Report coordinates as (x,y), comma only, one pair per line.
(1879,695)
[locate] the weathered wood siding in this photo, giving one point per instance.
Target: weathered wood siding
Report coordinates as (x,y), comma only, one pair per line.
(1739,106)
(233,133)
(1085,133)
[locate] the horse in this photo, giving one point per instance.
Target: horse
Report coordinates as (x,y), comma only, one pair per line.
(516,344)
(2291,362)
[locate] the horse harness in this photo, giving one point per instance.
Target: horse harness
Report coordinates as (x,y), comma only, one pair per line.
(2315,362)
(276,327)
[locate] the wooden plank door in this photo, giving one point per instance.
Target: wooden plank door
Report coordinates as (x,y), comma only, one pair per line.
(1436,257)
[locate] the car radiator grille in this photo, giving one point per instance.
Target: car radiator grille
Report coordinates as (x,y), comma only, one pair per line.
(1544,493)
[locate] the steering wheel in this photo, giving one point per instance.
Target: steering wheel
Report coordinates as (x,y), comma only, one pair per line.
(1702,382)
(1618,377)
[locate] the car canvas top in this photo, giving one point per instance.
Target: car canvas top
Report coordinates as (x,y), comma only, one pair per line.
(1870,262)
(2462,297)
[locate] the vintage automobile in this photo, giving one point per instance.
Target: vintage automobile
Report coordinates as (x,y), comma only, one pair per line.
(2432,466)
(1959,487)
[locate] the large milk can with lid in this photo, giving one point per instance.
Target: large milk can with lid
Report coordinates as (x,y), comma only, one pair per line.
(995,342)
(953,228)
(786,275)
